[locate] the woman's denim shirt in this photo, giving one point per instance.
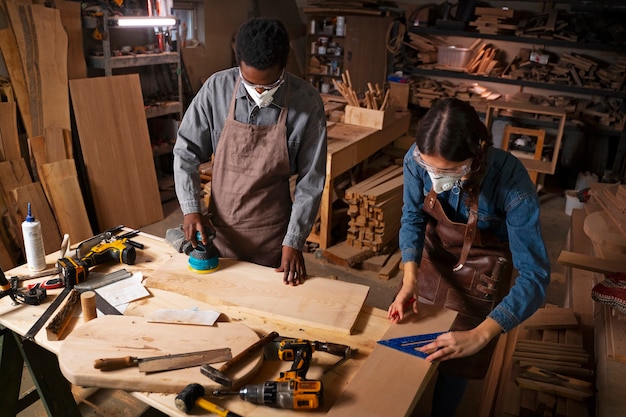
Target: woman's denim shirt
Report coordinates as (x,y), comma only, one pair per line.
(508,207)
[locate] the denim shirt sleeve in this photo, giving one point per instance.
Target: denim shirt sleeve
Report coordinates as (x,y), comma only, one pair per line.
(523,229)
(414,220)
(306,129)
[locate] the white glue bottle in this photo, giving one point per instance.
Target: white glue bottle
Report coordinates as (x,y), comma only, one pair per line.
(33,243)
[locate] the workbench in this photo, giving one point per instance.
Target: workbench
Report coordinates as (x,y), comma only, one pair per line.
(349,145)
(371,325)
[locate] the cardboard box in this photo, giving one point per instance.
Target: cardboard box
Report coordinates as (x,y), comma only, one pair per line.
(376,119)
(399,95)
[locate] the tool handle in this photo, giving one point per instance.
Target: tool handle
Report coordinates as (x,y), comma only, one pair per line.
(249,351)
(111,364)
(333,348)
(214,408)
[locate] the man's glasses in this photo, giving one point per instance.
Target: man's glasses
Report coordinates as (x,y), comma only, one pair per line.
(458,171)
(271,86)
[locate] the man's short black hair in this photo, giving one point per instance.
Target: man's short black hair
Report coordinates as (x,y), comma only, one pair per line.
(262,43)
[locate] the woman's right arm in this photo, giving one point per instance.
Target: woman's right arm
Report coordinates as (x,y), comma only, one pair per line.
(407,296)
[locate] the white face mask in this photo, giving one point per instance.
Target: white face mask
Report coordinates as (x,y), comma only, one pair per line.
(263,99)
(443,183)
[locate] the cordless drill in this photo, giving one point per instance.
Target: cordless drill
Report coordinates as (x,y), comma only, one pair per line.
(291,390)
(75,271)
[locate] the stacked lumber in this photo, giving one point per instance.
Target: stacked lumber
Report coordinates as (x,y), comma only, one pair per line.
(494,21)
(375,98)
(553,25)
(375,207)
(547,370)
(484,61)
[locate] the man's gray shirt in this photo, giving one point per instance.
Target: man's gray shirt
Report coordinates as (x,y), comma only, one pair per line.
(201,128)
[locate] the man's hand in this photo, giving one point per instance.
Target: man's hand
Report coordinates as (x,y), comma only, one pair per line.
(192,223)
(292,265)
(460,344)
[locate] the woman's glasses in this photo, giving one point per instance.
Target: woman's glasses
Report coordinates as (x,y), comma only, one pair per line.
(458,171)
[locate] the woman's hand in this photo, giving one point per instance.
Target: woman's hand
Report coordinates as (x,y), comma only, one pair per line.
(407,294)
(460,344)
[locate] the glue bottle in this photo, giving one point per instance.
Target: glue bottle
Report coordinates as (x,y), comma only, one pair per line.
(33,242)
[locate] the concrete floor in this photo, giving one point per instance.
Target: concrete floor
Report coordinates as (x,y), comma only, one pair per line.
(555,224)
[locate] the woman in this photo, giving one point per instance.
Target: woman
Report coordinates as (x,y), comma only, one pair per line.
(466,202)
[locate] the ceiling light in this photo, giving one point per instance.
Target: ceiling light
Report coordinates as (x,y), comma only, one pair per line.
(132,21)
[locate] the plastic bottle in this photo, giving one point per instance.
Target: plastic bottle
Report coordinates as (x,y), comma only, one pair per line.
(33,242)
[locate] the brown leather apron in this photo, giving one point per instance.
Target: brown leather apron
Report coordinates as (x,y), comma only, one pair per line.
(465,270)
(250,198)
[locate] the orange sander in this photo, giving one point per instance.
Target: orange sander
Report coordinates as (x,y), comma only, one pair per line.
(203,259)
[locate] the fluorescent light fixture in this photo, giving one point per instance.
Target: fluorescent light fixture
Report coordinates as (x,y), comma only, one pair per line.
(143,21)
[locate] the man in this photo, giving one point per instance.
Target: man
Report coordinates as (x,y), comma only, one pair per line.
(262,125)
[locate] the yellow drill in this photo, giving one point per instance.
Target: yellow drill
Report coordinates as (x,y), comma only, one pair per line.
(291,390)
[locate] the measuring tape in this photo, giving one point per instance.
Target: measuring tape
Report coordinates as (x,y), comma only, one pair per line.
(410,344)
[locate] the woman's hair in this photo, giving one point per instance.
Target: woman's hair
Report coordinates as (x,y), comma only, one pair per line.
(451,129)
(262,43)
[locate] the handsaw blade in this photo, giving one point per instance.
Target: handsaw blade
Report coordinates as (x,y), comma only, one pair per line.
(410,344)
(184,360)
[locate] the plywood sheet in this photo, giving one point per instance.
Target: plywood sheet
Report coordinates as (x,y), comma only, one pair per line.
(117,154)
(116,336)
(319,302)
(391,380)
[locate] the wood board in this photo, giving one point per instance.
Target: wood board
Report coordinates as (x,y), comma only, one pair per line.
(9,140)
(116,336)
(116,149)
(319,302)
(393,372)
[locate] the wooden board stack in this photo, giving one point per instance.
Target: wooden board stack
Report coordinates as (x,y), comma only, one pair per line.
(374,207)
(494,20)
(547,369)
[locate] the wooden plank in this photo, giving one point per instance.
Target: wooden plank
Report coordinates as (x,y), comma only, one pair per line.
(10,53)
(33,194)
(591,263)
(320,303)
(22,25)
(13,174)
(58,143)
(552,318)
(71,20)
(391,266)
(116,150)
(9,140)
(51,56)
(66,199)
(392,371)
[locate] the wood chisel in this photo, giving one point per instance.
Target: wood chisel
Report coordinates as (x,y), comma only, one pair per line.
(165,362)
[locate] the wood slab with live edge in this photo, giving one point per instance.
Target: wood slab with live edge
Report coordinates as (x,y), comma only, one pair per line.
(116,336)
(319,302)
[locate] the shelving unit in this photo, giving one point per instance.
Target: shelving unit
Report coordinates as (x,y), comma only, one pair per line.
(511,40)
(111,59)
(359,48)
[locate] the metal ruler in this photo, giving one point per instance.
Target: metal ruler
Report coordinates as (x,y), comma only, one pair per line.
(410,344)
